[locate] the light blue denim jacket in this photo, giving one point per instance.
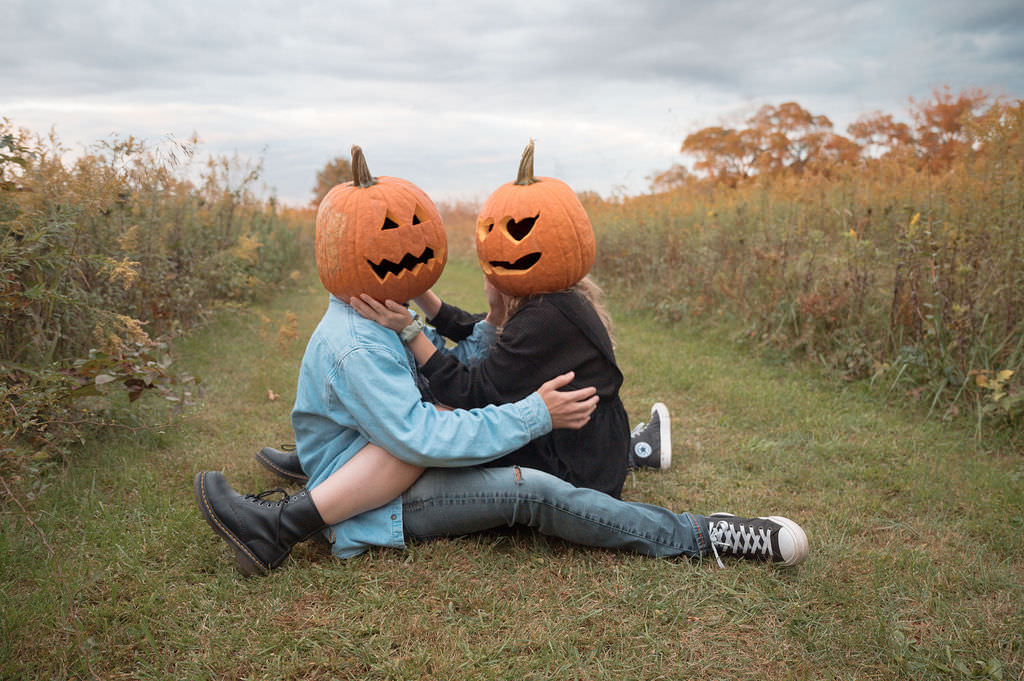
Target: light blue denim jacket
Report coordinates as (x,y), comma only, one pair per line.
(357,384)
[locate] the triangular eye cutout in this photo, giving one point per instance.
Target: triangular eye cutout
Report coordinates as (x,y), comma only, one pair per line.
(518,229)
(415,219)
(389,223)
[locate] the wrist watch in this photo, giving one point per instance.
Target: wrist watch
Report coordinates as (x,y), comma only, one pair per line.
(411,331)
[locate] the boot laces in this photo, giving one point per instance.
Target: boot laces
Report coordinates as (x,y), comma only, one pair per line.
(739,539)
(261,499)
(262,496)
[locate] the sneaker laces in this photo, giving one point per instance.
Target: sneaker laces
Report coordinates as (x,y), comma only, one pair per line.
(639,429)
(739,540)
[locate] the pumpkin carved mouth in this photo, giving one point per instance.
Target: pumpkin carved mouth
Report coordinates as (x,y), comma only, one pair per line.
(408,263)
(523,263)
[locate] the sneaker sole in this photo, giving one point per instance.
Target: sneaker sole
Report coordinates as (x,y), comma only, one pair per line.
(800,545)
(248,565)
(665,433)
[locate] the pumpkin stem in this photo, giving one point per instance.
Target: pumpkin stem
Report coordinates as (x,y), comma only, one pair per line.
(361,176)
(526,166)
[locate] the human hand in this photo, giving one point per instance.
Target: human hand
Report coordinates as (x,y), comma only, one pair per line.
(498,304)
(569,408)
(394,316)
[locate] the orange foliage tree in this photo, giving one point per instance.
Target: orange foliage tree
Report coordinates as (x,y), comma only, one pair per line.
(788,139)
(941,133)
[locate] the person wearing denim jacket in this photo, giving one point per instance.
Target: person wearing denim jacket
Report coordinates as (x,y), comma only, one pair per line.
(357,384)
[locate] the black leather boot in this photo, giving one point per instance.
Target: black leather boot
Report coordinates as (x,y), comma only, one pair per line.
(260,532)
(284,463)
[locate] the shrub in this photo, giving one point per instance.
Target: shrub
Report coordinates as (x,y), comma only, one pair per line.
(104,256)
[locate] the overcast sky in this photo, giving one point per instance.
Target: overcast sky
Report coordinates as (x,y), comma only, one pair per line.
(446,94)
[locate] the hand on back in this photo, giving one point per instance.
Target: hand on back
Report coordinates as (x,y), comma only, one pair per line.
(568,408)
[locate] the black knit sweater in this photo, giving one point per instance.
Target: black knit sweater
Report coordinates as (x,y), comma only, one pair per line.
(547,336)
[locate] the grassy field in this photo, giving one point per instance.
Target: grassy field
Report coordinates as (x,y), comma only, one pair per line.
(916,568)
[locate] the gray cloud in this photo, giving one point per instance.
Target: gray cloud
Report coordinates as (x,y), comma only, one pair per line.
(445,93)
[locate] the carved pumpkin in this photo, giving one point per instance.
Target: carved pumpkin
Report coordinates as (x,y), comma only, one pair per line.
(533,235)
(378,235)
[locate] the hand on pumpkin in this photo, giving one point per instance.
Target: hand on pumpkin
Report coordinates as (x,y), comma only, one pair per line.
(394,316)
(568,408)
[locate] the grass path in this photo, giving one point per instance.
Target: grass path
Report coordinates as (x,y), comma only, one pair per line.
(917,542)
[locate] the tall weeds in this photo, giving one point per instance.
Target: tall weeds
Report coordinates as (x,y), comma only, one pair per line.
(885,269)
(105,256)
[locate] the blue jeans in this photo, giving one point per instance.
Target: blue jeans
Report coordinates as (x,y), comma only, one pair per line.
(457,501)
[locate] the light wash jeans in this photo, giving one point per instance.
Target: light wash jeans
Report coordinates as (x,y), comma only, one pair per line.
(452,502)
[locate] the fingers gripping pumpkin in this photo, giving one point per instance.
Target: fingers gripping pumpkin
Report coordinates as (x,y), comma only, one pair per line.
(533,235)
(378,235)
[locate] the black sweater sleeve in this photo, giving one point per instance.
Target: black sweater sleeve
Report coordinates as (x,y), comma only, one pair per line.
(454,323)
(527,354)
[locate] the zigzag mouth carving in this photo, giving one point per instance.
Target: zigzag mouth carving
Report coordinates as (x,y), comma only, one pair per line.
(523,263)
(408,263)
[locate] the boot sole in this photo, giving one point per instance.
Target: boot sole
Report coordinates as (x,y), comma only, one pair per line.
(277,470)
(247,564)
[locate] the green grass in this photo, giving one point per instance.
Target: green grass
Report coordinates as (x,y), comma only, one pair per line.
(916,531)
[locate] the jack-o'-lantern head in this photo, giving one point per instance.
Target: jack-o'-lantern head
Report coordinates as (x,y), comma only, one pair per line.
(533,235)
(378,235)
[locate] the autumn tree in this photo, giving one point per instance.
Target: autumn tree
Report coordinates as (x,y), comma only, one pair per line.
(879,134)
(334,173)
(789,136)
(725,154)
(790,139)
(942,131)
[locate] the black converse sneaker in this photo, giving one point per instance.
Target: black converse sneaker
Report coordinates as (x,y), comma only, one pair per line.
(772,538)
(650,444)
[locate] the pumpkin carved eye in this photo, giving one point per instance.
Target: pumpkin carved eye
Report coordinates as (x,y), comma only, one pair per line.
(415,219)
(518,229)
(389,223)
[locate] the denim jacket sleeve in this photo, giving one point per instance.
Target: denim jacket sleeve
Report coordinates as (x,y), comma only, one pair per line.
(470,350)
(373,382)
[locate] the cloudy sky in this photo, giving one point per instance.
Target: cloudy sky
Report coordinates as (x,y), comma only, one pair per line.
(446,94)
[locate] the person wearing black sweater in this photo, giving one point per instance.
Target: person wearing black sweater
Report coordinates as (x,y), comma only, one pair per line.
(546,335)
